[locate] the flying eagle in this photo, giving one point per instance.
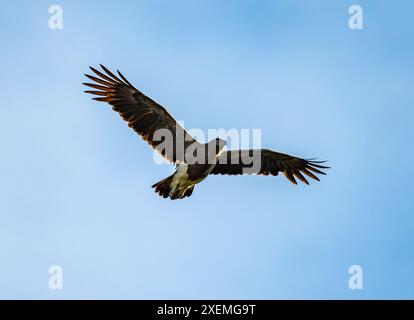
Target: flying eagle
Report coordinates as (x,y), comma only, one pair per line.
(194,161)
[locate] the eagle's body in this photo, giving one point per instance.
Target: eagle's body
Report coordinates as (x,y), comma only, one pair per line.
(182,182)
(194,161)
(186,176)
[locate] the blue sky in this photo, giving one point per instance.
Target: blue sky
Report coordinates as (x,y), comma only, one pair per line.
(75,180)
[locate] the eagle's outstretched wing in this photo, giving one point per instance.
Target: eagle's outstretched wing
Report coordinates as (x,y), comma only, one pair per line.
(143,114)
(265,162)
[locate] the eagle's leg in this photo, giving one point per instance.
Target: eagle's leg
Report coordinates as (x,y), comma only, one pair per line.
(188,192)
(182,193)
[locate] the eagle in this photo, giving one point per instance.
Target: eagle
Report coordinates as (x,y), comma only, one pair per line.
(194,161)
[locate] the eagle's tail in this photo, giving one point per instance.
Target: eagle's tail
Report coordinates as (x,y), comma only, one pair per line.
(163,188)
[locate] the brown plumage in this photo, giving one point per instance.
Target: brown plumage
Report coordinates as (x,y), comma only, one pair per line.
(236,162)
(146,117)
(143,114)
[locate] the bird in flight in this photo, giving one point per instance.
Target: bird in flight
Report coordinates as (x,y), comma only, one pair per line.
(194,160)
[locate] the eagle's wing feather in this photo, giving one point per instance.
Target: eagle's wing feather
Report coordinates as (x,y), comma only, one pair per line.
(265,162)
(143,114)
